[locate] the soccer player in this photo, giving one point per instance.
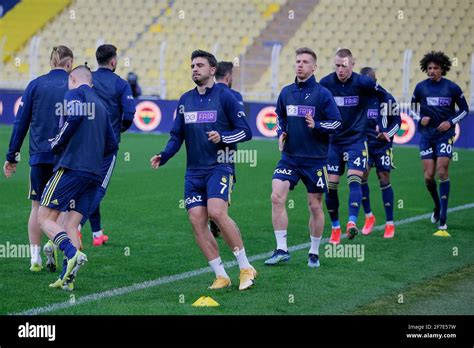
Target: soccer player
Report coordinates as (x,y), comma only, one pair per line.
(210,120)
(224,78)
(437,97)
(307,114)
(38,112)
(383,121)
(80,147)
(116,95)
(351,92)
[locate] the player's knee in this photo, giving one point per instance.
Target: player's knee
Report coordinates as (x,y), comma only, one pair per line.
(195,219)
(429,175)
(42,218)
(277,198)
(443,173)
(315,207)
(384,178)
(70,228)
(216,214)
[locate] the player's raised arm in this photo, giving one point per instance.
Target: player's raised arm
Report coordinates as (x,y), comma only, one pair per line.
(332,121)
(236,114)
(461,102)
(175,141)
(128,104)
(373,88)
(21,124)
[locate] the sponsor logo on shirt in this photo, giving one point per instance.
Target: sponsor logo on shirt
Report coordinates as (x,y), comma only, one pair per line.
(300,110)
(283,171)
(372,113)
(428,151)
(438,101)
(209,116)
(193,199)
(347,100)
(333,168)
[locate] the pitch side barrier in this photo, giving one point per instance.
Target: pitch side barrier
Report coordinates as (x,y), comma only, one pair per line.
(156,116)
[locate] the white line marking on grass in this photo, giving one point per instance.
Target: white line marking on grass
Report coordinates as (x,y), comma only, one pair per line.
(170,279)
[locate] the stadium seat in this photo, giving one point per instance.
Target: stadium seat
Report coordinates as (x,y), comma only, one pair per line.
(379,34)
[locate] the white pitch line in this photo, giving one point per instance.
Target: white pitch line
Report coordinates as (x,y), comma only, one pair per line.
(170,279)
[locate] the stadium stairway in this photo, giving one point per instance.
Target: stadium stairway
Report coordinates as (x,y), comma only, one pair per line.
(280,30)
(378,33)
(24,20)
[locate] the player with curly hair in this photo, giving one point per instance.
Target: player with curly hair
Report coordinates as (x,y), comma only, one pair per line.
(437,97)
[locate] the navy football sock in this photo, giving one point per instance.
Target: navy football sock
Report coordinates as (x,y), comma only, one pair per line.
(366,197)
(63,271)
(387,197)
(63,242)
(355,196)
(332,203)
(444,187)
(431,186)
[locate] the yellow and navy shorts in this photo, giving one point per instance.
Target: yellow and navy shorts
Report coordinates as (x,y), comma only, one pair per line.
(66,190)
(354,155)
(39,176)
(314,177)
(381,157)
(215,184)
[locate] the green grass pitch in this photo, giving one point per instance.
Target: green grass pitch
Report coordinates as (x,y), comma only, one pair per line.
(151,238)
